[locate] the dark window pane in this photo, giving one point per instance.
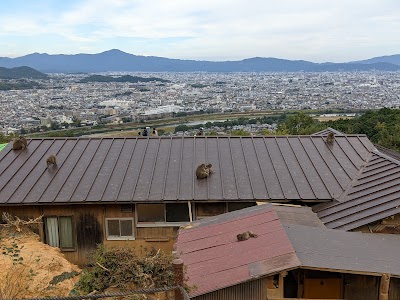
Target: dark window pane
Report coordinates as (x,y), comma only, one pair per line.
(66,232)
(126,228)
(177,212)
(113,227)
(151,213)
(239,205)
(210,209)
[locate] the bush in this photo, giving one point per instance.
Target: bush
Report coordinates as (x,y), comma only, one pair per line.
(123,268)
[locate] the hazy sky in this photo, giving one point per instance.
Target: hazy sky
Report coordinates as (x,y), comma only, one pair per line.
(316,30)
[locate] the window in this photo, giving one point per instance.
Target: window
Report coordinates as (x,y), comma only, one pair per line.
(120,229)
(162,213)
(59,232)
(232,206)
(204,210)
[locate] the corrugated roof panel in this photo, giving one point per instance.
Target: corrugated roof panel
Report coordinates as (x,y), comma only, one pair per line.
(114,185)
(31,179)
(147,170)
(243,182)
(279,166)
(157,169)
(77,172)
(229,183)
(253,166)
(201,157)
(215,185)
(160,170)
(314,180)
(331,182)
(128,185)
(295,169)
(271,179)
(171,187)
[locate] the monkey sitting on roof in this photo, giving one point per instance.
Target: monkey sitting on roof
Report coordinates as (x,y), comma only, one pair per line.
(245,236)
(203,171)
(19,143)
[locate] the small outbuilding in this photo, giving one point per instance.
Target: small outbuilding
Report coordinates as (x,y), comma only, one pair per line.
(292,257)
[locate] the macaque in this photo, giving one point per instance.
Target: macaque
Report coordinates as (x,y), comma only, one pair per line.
(330,139)
(203,171)
(245,236)
(51,160)
(19,143)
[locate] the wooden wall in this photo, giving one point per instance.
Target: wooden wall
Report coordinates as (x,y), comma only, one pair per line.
(89,222)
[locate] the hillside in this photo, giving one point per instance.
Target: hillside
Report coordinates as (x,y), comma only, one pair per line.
(125,78)
(392,59)
(21,72)
(116,60)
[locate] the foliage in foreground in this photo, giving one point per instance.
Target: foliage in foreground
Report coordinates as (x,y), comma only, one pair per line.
(123,268)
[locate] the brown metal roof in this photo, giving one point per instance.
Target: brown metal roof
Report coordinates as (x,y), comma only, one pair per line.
(373,195)
(328,130)
(214,259)
(280,168)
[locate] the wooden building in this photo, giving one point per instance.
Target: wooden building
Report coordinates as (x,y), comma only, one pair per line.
(138,191)
(293,257)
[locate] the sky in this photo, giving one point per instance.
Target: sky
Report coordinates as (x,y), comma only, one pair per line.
(314,30)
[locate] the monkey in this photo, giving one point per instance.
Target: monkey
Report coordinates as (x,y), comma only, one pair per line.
(19,143)
(51,160)
(210,171)
(330,139)
(245,236)
(203,171)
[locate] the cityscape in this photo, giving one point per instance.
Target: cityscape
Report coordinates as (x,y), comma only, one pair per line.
(62,100)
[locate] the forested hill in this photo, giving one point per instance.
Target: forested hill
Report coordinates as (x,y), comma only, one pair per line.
(125,78)
(382,126)
(21,72)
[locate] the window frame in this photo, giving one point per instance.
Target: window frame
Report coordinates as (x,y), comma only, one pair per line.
(160,224)
(120,238)
(63,249)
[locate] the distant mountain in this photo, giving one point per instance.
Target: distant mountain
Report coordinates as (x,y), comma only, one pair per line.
(20,72)
(116,60)
(391,59)
(125,78)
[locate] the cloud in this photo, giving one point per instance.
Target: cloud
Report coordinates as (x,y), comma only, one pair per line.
(297,29)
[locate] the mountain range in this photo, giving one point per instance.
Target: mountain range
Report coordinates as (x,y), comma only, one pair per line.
(116,60)
(21,72)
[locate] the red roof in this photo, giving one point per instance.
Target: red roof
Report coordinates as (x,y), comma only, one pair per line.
(215,259)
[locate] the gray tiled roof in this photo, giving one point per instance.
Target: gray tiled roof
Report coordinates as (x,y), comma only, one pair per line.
(277,168)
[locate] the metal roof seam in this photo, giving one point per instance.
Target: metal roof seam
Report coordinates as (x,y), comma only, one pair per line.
(247,168)
(59,168)
(112,170)
(38,178)
(368,179)
(220,171)
(140,169)
(27,175)
(273,167)
(261,169)
(349,186)
(153,169)
(125,171)
(233,166)
(327,165)
(16,170)
(351,144)
(180,171)
(288,169)
(97,174)
(66,179)
(83,173)
(166,169)
(313,164)
(302,170)
(372,183)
